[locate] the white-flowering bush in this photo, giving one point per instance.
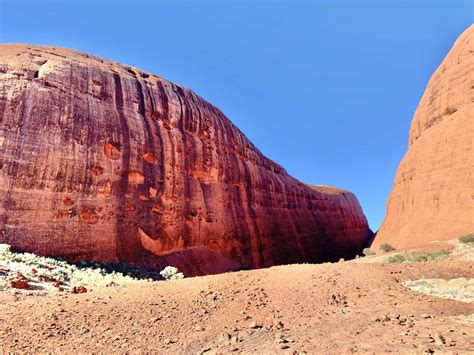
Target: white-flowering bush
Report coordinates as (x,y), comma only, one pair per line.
(4,249)
(171,273)
(44,273)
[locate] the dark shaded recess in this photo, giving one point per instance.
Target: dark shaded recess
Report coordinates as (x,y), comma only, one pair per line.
(128,269)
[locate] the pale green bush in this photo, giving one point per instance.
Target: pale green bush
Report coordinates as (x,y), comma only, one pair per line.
(396,259)
(367,252)
(416,257)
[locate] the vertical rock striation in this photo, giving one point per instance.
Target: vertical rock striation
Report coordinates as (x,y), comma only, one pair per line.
(433,193)
(101,161)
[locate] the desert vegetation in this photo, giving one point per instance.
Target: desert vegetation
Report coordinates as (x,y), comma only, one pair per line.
(31,272)
(368,252)
(385,247)
(415,257)
(171,273)
(459,289)
(469,238)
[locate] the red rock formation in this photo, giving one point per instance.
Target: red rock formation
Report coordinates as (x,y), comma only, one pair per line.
(433,193)
(100,161)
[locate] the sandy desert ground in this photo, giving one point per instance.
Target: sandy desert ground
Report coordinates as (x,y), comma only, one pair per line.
(346,307)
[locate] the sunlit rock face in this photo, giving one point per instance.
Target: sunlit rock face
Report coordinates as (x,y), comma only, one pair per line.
(433,194)
(100,161)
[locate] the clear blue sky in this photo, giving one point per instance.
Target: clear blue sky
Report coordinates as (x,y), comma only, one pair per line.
(325,88)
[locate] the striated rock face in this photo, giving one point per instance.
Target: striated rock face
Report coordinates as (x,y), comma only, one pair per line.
(103,162)
(433,193)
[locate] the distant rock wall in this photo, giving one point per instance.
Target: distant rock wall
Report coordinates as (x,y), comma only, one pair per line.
(101,161)
(433,194)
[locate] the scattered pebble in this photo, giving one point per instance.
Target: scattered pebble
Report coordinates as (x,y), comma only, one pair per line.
(439,339)
(255,325)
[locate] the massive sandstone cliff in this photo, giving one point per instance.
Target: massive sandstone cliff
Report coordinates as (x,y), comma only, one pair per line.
(101,161)
(433,193)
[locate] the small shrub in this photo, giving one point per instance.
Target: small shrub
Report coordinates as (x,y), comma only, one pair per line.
(386,247)
(439,255)
(467,239)
(171,273)
(417,257)
(396,259)
(367,252)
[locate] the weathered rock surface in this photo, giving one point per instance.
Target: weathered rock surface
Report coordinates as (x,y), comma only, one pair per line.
(101,161)
(433,193)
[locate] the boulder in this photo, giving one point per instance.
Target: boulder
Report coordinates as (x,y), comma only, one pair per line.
(103,162)
(433,193)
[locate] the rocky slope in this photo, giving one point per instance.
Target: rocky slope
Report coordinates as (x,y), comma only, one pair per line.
(433,193)
(101,161)
(339,308)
